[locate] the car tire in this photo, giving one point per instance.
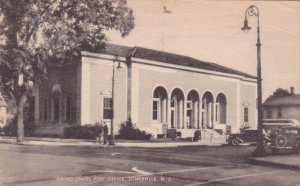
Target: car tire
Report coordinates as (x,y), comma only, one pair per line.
(235,142)
(281,140)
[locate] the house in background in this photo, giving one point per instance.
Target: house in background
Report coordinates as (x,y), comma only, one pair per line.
(2,111)
(283,106)
(157,90)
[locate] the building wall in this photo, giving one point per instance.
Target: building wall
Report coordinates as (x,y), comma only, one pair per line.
(147,78)
(248,97)
(288,112)
(90,80)
(67,79)
(96,84)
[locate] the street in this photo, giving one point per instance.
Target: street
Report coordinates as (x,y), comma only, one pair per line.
(104,165)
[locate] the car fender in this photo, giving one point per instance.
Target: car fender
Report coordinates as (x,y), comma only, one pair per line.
(242,141)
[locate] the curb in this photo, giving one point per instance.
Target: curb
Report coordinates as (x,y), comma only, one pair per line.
(273,164)
(50,143)
(94,144)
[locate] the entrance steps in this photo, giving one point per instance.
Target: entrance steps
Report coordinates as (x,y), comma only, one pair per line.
(207,135)
(213,136)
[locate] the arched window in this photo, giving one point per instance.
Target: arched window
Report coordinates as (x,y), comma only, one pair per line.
(221,109)
(159,105)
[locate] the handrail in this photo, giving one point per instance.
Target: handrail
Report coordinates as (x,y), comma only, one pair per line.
(211,134)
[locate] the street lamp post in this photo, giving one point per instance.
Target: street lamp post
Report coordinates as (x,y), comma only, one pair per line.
(112,140)
(254,11)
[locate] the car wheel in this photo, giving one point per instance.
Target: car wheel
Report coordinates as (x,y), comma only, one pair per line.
(281,140)
(235,142)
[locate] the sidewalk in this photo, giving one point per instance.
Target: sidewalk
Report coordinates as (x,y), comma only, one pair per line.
(119,143)
(289,161)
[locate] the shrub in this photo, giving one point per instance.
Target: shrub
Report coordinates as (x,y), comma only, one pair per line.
(178,134)
(83,132)
(10,129)
(129,131)
(197,135)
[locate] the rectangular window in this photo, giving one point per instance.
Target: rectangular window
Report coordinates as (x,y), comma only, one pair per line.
(68,108)
(246,114)
(31,108)
(155,110)
(279,113)
(107,108)
(45,110)
(41,109)
(56,109)
(269,113)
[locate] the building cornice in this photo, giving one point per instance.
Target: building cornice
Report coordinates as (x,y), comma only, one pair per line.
(167,65)
(190,69)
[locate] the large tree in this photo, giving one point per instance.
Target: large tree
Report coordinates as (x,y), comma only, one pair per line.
(35,34)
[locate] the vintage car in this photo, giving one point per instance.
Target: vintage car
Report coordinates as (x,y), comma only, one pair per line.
(270,125)
(245,136)
(287,138)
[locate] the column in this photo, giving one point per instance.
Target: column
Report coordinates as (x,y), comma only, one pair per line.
(199,115)
(184,120)
(195,114)
(168,119)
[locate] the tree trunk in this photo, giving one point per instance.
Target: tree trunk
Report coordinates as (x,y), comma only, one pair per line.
(20,115)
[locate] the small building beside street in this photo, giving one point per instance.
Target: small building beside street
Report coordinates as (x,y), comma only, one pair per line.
(283,106)
(157,90)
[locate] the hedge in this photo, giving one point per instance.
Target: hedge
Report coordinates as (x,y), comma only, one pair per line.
(129,131)
(83,132)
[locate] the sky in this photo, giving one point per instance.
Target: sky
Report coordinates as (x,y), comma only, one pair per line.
(211,31)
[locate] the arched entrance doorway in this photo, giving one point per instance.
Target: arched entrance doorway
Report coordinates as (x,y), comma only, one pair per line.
(221,109)
(207,110)
(176,108)
(192,110)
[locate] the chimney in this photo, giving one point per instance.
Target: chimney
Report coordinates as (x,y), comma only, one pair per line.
(292,91)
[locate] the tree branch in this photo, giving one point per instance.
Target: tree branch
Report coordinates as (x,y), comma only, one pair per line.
(34,28)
